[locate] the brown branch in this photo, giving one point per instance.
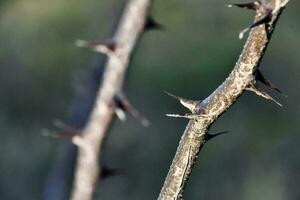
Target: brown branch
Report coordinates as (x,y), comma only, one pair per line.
(206,112)
(90,141)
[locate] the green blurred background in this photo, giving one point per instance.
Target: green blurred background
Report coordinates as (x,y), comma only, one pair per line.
(42,72)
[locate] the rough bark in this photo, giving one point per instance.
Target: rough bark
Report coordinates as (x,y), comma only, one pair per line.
(243,77)
(90,141)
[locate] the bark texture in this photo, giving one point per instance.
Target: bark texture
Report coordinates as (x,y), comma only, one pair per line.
(243,77)
(89,143)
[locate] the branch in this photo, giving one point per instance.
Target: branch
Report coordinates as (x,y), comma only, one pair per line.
(119,50)
(243,77)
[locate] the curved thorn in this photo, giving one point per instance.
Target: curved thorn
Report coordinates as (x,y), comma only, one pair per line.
(242,33)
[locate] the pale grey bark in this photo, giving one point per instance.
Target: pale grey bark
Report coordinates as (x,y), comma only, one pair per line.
(89,143)
(205,113)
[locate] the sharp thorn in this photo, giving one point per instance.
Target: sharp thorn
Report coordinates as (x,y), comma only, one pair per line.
(260,77)
(210,136)
(151,24)
(192,105)
(265,19)
(252,5)
(254,88)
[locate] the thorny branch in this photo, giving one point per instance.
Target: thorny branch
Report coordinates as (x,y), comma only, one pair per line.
(118,50)
(243,77)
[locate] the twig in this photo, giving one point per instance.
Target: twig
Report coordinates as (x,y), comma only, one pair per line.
(90,141)
(240,79)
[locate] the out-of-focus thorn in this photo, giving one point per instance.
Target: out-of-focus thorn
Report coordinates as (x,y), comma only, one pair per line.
(65,131)
(122,103)
(260,77)
(105,48)
(185,116)
(107,172)
(210,136)
(151,24)
(50,133)
(254,88)
(121,114)
(192,105)
(252,5)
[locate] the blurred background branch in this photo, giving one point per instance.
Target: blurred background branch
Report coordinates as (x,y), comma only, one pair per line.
(119,51)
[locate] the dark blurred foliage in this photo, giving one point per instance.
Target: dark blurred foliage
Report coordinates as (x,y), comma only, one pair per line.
(42,73)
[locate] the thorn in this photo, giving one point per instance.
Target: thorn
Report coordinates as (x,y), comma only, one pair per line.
(107,172)
(61,125)
(210,136)
(252,5)
(192,105)
(106,48)
(121,114)
(49,133)
(65,131)
(151,24)
(122,104)
(65,134)
(265,19)
(254,88)
(185,116)
(260,77)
